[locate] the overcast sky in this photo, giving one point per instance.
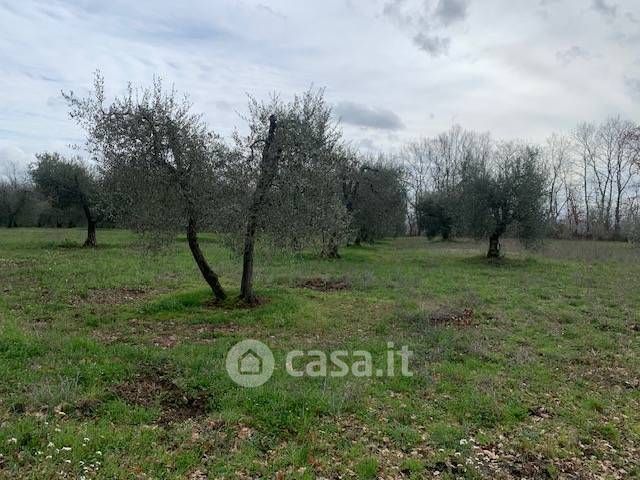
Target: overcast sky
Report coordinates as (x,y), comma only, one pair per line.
(393,69)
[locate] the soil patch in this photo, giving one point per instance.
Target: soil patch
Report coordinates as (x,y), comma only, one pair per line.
(153,388)
(499,461)
(112,296)
(235,304)
(539,413)
(460,318)
(325,284)
(175,334)
(164,333)
(15,263)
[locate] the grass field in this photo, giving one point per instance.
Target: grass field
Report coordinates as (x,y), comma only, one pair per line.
(112,362)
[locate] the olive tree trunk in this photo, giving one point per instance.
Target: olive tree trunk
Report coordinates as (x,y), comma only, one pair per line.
(207,273)
(268,168)
(91,228)
(494,241)
(331,249)
(494,246)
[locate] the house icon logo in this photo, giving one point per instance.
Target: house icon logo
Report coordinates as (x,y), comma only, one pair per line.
(250,363)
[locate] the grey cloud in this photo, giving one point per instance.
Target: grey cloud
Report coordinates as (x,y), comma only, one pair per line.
(605,9)
(363,116)
(446,12)
(569,55)
(451,11)
(633,87)
(271,11)
(434,45)
(394,10)
(429,24)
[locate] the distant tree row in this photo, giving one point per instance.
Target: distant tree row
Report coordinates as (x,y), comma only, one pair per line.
(155,167)
(463,184)
(586,184)
(22,204)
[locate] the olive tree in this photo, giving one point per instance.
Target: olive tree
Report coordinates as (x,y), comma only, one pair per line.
(505,192)
(294,153)
(68,183)
(160,162)
(377,198)
(434,215)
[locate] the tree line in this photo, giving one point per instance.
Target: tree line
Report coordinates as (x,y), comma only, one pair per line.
(293,179)
(590,180)
(158,169)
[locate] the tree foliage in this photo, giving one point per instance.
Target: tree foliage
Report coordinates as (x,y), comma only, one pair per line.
(68,183)
(165,170)
(506,192)
(161,164)
(377,199)
(435,216)
(302,207)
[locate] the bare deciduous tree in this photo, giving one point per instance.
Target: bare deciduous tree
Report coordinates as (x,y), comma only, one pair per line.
(418,157)
(434,165)
(586,145)
(626,155)
(15,195)
(606,155)
(556,158)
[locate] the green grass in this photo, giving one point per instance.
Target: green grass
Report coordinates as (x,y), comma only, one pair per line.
(543,382)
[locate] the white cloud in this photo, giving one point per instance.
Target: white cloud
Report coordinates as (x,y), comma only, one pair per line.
(14,162)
